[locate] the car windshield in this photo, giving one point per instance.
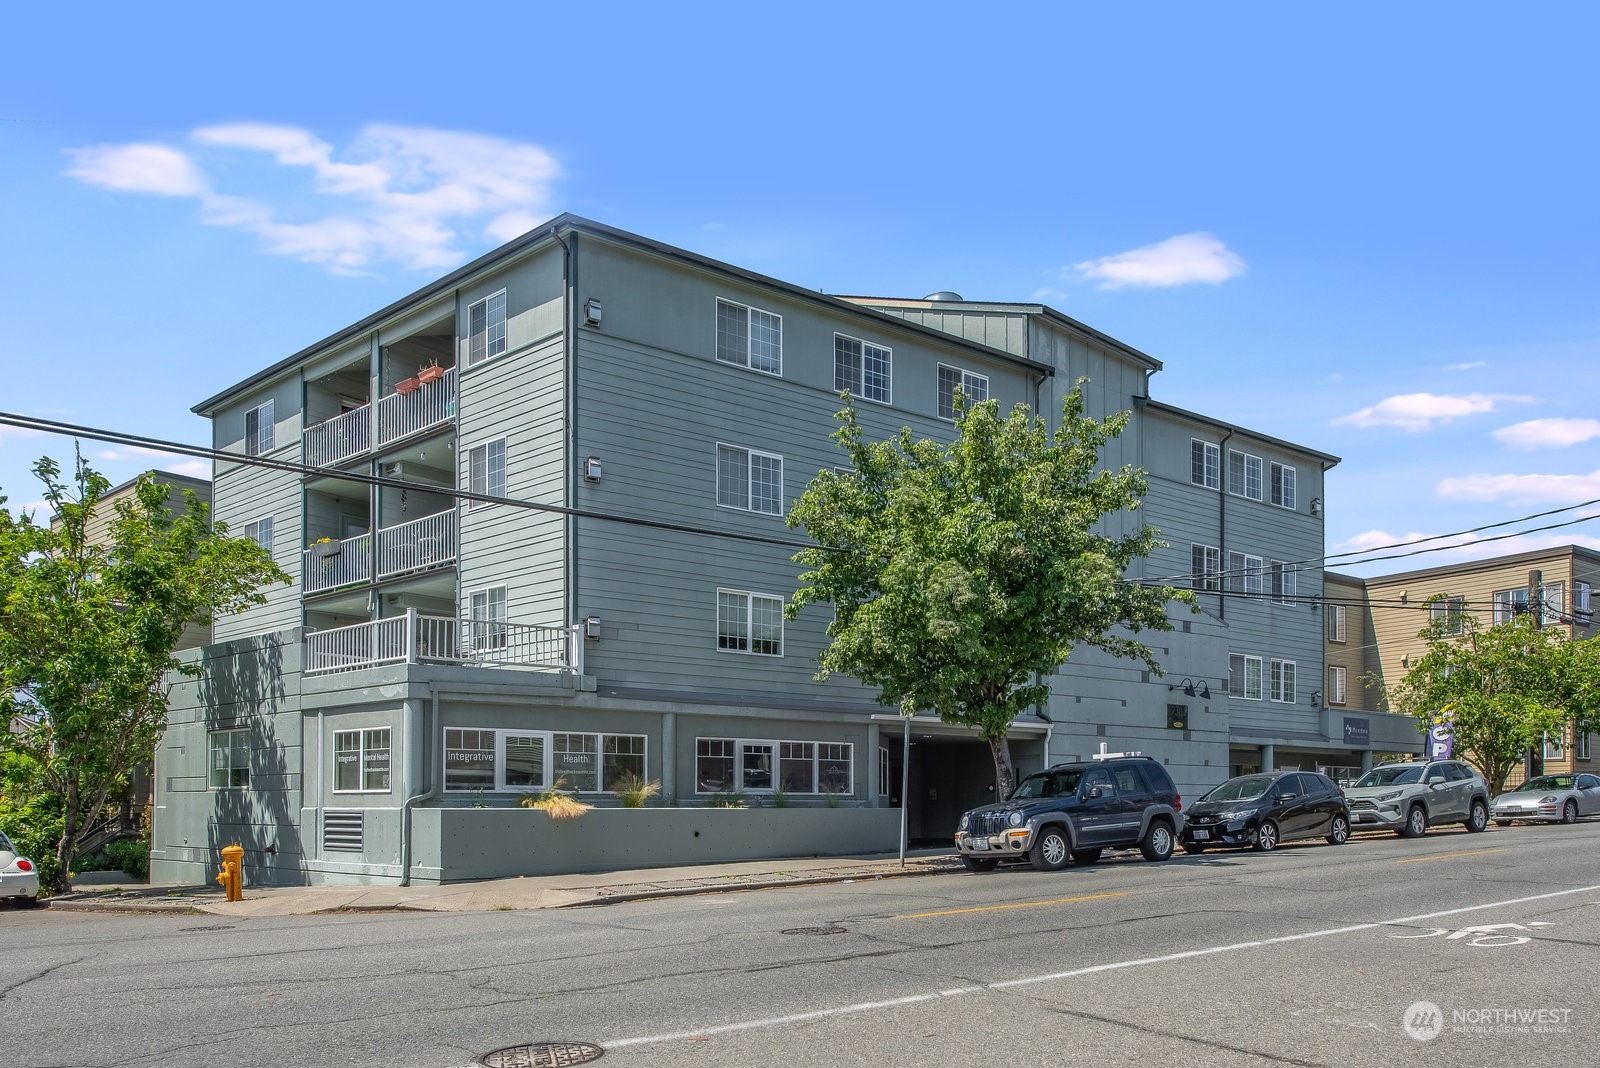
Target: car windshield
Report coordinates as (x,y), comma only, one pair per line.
(1243,788)
(1546,782)
(1049,784)
(5,845)
(1396,776)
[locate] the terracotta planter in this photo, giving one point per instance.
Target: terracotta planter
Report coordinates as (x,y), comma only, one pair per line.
(407,385)
(431,373)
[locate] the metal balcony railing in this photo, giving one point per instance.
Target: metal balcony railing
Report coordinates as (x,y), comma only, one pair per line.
(345,435)
(431,403)
(419,639)
(417,545)
(325,566)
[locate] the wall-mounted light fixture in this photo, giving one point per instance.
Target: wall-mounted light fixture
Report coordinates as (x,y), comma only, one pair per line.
(1189,689)
(591,312)
(592,469)
(591,628)
(1316,698)
(1316,506)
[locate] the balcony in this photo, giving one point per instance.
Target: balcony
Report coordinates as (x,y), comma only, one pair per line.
(407,547)
(420,639)
(349,434)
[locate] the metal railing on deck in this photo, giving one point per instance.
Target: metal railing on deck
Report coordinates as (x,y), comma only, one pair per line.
(345,435)
(341,564)
(421,543)
(430,404)
(415,639)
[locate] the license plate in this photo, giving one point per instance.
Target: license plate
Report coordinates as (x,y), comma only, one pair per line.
(1201,836)
(1356,817)
(980,844)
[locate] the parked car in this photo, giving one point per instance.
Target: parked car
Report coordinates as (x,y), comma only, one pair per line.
(19,878)
(1072,812)
(1549,797)
(1265,810)
(1411,796)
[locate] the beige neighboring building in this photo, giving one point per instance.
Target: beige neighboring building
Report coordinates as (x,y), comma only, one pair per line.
(1372,626)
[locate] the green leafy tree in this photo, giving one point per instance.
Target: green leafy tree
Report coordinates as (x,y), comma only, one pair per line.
(962,574)
(94,604)
(1500,688)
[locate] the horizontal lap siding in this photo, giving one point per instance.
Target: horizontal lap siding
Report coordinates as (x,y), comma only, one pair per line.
(242,495)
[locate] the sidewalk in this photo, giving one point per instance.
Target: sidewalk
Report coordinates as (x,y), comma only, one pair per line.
(494,895)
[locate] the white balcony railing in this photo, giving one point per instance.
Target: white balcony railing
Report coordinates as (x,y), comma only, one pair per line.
(431,403)
(420,639)
(344,562)
(417,545)
(345,435)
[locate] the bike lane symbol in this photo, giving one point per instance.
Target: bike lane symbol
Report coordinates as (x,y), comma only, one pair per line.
(1483,934)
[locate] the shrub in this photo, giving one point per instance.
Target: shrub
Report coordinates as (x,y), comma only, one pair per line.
(132,855)
(558,804)
(34,826)
(633,791)
(729,798)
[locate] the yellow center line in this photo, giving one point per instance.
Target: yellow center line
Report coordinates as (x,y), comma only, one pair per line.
(1014,905)
(1447,856)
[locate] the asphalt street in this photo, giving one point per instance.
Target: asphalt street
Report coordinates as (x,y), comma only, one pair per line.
(1457,949)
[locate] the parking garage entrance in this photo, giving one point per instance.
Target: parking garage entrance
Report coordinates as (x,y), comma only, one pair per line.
(952,771)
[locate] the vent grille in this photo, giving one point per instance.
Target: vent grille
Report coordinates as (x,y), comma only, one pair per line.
(342,831)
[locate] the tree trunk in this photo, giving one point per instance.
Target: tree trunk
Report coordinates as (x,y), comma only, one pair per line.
(62,881)
(1005,777)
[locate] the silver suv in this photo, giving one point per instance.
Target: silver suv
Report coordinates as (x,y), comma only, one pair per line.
(1409,798)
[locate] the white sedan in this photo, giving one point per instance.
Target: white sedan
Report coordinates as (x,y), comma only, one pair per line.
(1549,797)
(19,878)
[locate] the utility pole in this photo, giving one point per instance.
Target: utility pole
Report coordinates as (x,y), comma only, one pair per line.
(1533,759)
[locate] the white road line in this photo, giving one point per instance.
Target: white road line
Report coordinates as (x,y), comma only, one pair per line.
(982,988)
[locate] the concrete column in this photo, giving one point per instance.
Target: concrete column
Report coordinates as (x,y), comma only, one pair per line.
(874,787)
(1366,761)
(669,758)
(1269,759)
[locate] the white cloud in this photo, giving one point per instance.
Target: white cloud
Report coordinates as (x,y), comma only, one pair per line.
(138,169)
(1419,411)
(154,459)
(414,197)
(1523,489)
(1177,261)
(1377,539)
(1457,549)
(1548,433)
(1045,294)
(1471,365)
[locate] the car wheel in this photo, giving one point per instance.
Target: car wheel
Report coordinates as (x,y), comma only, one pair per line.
(1416,823)
(1193,848)
(979,863)
(1157,844)
(1267,837)
(1478,818)
(1569,812)
(1051,850)
(1085,856)
(1339,833)
(1502,823)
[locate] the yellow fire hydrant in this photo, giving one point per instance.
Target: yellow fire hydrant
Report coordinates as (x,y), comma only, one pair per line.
(232,874)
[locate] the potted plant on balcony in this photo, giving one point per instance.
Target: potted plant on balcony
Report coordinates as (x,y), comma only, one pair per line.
(326,547)
(431,373)
(407,385)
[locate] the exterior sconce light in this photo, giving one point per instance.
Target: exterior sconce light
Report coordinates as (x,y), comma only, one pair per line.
(591,469)
(1316,506)
(591,312)
(1316,698)
(591,628)
(1188,686)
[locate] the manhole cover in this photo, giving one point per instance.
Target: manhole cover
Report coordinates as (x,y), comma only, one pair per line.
(212,927)
(831,928)
(542,1055)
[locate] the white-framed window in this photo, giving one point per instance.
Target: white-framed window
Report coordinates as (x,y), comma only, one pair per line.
(749,337)
(1555,744)
(361,761)
(1282,675)
(1508,604)
(862,368)
(761,764)
(486,470)
(1244,676)
(1244,475)
(749,623)
(1282,478)
(1333,623)
(1245,573)
(1205,463)
(481,760)
(1553,602)
(1285,582)
(1582,748)
(1205,568)
(1449,609)
(486,619)
(258,429)
(260,532)
(974,387)
(1336,685)
(749,480)
(1580,603)
(230,758)
(486,328)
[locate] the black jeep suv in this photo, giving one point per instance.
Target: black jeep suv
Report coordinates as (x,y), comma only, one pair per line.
(1073,811)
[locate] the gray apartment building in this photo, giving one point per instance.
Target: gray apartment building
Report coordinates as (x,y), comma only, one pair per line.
(536,515)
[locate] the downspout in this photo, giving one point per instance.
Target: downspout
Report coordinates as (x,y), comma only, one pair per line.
(569,334)
(429,733)
(1222,523)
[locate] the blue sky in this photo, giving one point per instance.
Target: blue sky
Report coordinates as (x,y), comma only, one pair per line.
(1369,229)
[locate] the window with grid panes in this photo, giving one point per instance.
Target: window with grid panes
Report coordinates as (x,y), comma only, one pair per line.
(1282,477)
(1244,475)
(1205,463)
(486,470)
(486,329)
(1205,567)
(749,623)
(1281,675)
(749,480)
(749,337)
(974,387)
(862,368)
(1285,582)
(1244,676)
(258,429)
